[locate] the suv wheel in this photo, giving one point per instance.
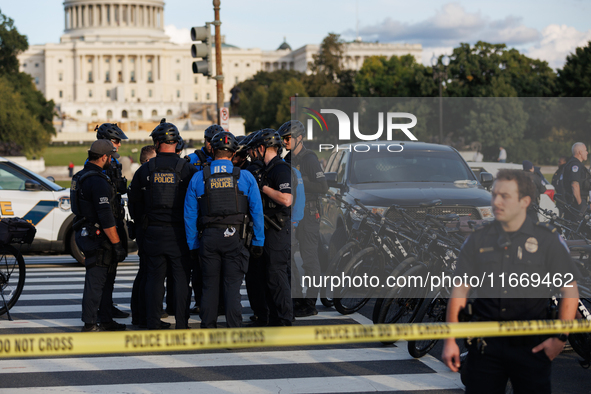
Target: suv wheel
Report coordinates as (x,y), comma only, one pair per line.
(74,250)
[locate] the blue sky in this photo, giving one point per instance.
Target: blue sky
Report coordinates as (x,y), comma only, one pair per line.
(543,29)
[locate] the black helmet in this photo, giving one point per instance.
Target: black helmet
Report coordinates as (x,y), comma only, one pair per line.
(266,138)
(243,144)
(165,132)
(224,141)
(212,130)
(295,128)
(180,144)
(109,131)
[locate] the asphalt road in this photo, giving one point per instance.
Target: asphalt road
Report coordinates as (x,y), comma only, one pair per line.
(50,303)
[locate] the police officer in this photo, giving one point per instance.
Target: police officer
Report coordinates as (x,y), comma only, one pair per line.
(112,132)
(240,159)
(138,291)
(511,245)
(308,230)
(275,185)
(203,157)
(156,194)
(218,205)
(528,167)
(576,182)
(93,202)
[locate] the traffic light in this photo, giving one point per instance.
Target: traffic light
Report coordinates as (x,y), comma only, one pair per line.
(202,50)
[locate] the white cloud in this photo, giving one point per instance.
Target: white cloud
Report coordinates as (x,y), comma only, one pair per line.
(451,25)
(178,36)
(557,42)
(428,53)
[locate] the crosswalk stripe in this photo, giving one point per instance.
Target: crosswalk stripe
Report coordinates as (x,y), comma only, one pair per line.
(302,371)
(201,360)
(70,322)
(336,384)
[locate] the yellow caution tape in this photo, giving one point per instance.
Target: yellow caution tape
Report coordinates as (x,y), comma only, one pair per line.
(230,338)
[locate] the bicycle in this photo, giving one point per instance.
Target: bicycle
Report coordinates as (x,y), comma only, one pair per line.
(12,264)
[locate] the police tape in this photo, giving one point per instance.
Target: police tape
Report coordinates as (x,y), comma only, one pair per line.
(230,338)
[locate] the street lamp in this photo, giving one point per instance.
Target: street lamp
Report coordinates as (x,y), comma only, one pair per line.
(440,75)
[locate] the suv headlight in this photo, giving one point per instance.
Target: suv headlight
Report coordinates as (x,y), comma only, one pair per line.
(486,213)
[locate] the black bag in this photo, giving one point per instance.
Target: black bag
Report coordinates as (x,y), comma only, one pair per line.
(16,230)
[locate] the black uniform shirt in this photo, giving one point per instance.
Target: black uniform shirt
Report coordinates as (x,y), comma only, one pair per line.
(307,163)
(100,192)
(533,248)
(575,171)
(141,184)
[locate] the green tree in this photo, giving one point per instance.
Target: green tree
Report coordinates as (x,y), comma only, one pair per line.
(328,77)
(395,77)
(36,121)
(265,98)
(575,77)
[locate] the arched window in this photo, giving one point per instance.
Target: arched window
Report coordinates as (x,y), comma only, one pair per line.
(109,114)
(78,113)
(140,114)
(124,114)
(94,113)
(154,113)
(169,112)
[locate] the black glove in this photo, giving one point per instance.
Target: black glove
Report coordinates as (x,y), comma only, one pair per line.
(119,252)
(194,254)
(256,251)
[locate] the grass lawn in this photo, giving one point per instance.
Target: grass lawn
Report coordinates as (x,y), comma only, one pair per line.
(61,155)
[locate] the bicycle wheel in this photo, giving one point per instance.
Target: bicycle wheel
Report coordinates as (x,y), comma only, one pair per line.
(12,277)
(403,266)
(338,262)
(581,342)
(432,310)
(347,299)
(400,309)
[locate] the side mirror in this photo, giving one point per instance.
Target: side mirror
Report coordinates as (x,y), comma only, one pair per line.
(486,179)
(331,179)
(51,179)
(31,185)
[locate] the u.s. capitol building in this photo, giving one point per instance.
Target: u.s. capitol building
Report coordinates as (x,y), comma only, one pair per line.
(115,63)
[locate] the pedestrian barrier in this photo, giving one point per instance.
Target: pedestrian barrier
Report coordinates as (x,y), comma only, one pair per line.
(231,338)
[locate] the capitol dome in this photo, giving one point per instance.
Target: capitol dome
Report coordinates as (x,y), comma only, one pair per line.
(114,20)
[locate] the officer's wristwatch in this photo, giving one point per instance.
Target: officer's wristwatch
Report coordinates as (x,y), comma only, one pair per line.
(562,337)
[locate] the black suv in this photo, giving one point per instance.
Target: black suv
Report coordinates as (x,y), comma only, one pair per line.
(416,173)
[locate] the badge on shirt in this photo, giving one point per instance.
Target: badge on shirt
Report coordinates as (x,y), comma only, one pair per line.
(575,168)
(531,245)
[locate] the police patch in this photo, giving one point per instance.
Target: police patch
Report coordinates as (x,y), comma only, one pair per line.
(104,200)
(221,183)
(284,186)
(164,177)
(575,168)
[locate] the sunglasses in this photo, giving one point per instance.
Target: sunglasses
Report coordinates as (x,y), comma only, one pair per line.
(286,138)
(115,141)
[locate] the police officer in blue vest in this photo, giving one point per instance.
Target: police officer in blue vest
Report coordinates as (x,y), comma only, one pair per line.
(93,201)
(112,132)
(156,194)
(308,230)
(204,156)
(220,201)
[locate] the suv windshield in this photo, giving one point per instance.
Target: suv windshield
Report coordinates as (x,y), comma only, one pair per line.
(408,166)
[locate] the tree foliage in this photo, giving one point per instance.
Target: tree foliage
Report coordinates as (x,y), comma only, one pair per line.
(265,98)
(575,77)
(25,115)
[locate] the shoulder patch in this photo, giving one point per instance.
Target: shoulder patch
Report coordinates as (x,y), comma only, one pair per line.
(575,168)
(546,226)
